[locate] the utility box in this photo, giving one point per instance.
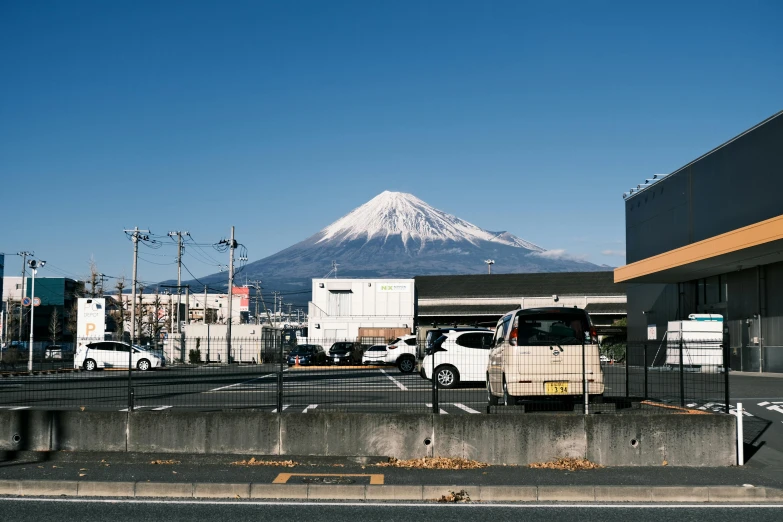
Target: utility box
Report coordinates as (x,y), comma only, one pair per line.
(701,338)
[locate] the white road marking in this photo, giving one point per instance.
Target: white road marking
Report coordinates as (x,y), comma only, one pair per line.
(463,407)
(775,408)
(311,407)
(284,407)
(442,411)
(14,407)
(245,382)
(160,408)
(763,403)
(395,381)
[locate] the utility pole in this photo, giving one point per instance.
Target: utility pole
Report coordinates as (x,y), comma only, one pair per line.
(179,233)
(257,286)
(24,255)
(135,238)
(232,244)
(187,304)
(34,266)
(103,278)
(205,304)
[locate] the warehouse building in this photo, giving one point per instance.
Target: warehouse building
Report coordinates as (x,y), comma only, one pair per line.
(708,238)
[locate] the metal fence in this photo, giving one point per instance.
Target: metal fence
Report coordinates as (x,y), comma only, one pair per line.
(342,375)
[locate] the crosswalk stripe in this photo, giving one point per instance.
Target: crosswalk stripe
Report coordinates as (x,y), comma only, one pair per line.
(284,407)
(310,407)
(463,407)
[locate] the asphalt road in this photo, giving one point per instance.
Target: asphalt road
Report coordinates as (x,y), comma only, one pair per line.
(139,511)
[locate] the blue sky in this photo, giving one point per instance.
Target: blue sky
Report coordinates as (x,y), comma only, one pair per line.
(280,117)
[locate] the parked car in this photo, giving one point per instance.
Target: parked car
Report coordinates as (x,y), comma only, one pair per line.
(435,333)
(538,353)
(458,356)
(114,354)
(344,353)
(401,352)
(375,354)
(307,354)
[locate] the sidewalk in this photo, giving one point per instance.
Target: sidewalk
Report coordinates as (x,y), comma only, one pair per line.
(216,476)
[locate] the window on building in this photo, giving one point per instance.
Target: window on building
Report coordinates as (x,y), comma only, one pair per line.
(712,290)
(339,302)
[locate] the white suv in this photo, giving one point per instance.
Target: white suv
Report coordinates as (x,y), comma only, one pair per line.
(458,356)
(401,352)
(112,354)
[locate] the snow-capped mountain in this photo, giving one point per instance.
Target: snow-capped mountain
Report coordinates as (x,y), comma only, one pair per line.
(398,235)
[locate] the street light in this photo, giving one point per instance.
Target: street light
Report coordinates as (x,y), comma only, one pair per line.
(34,266)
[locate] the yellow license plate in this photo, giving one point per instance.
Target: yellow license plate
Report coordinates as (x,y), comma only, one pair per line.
(556,387)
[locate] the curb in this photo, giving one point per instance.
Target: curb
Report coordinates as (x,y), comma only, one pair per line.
(246,490)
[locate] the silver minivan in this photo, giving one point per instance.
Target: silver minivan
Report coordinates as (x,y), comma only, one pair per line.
(537,353)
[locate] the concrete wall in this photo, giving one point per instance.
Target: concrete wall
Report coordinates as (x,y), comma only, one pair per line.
(613,440)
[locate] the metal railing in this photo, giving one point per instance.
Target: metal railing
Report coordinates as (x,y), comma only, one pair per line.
(344,375)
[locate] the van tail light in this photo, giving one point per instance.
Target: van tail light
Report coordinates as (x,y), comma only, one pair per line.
(512,337)
(593,334)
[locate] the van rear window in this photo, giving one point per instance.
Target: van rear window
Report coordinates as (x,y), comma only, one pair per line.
(552,328)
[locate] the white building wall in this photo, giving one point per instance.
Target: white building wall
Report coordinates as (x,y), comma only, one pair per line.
(375,303)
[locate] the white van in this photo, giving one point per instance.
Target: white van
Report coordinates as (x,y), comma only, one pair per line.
(538,353)
(113,354)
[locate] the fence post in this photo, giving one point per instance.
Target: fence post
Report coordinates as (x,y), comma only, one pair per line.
(130,384)
(627,368)
(682,374)
(584,379)
(280,379)
(435,407)
(645,371)
(726,364)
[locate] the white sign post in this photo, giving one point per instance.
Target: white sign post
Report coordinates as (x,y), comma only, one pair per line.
(91,319)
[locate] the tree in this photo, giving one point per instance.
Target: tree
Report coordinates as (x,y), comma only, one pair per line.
(93,277)
(54,326)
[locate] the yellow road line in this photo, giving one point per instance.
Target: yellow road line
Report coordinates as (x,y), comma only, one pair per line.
(375,478)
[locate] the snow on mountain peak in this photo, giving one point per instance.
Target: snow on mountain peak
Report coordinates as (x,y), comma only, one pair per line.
(399,213)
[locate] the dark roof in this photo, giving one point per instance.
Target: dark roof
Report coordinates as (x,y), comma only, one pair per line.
(607,308)
(518,285)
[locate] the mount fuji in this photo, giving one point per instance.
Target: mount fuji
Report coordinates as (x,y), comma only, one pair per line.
(398,235)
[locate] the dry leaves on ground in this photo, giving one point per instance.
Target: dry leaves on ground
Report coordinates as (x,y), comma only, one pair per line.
(164,462)
(568,464)
(254,462)
(432,463)
(455,496)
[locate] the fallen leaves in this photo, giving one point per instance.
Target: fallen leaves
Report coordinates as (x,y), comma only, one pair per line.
(458,496)
(254,462)
(163,462)
(567,464)
(432,463)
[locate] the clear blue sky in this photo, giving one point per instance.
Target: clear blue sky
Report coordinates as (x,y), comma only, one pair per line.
(280,117)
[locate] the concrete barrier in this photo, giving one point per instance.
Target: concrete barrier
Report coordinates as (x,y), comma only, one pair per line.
(610,440)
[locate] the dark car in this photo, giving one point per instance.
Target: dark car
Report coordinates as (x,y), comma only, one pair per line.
(345,353)
(306,354)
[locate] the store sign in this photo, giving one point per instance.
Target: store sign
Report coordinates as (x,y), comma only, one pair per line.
(394,287)
(91,319)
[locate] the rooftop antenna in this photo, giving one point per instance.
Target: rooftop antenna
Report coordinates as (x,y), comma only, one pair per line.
(489,263)
(334,269)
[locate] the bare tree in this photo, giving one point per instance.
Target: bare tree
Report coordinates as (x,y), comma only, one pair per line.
(93,276)
(54,326)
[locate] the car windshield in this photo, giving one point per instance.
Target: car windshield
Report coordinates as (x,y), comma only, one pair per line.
(302,350)
(376,349)
(552,328)
(398,339)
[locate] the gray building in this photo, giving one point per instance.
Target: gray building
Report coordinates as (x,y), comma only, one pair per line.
(708,238)
(482,299)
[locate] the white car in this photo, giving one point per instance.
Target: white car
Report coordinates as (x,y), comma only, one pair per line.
(401,352)
(375,354)
(114,354)
(458,356)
